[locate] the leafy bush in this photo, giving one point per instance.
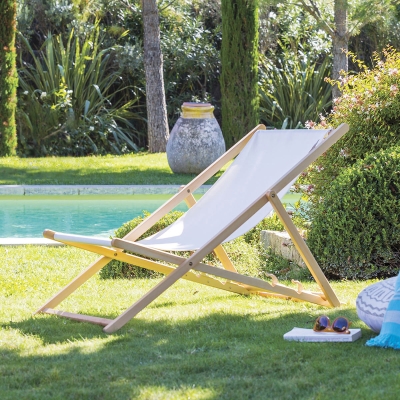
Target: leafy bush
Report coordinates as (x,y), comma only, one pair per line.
(190,54)
(118,269)
(370,104)
(36,18)
(71,101)
(293,91)
(355,231)
(272,223)
(191,64)
(357,242)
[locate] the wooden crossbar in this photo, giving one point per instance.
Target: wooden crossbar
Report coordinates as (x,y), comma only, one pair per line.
(78,317)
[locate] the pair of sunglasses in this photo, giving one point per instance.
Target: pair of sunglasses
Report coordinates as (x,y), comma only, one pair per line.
(339,325)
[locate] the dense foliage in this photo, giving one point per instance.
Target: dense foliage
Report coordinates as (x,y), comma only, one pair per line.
(191,67)
(191,35)
(8,77)
(69,101)
(370,104)
(356,227)
(293,91)
(239,77)
(353,188)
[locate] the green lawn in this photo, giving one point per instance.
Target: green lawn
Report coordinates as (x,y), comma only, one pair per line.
(193,342)
(132,169)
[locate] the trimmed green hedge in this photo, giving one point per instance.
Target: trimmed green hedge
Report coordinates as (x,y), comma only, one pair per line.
(355,231)
(121,270)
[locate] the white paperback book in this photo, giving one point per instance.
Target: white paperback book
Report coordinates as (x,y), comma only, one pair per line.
(308,335)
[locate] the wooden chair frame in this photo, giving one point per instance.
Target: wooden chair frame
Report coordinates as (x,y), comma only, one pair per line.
(192,268)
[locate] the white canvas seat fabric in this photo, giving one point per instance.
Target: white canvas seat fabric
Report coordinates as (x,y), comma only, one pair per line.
(260,165)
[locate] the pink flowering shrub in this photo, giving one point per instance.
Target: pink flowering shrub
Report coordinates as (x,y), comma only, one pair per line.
(370,104)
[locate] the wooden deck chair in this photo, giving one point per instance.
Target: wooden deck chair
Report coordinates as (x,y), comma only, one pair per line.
(266,165)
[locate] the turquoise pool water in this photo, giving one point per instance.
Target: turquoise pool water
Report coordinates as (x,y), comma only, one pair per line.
(28,218)
(23,217)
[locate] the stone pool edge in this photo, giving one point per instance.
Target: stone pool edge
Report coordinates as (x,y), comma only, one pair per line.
(79,190)
(84,190)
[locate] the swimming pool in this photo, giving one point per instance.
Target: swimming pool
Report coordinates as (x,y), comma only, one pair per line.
(28,217)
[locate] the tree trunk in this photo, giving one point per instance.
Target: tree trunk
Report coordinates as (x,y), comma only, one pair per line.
(157,122)
(8,78)
(340,42)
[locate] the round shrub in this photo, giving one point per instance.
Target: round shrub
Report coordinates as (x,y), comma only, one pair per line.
(119,269)
(355,230)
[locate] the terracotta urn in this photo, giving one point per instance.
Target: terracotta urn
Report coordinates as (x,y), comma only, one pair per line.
(196,140)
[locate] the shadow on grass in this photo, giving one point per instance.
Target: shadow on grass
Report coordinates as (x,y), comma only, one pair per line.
(56,330)
(219,356)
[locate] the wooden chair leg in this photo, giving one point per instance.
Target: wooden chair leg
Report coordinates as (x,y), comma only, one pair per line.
(303,249)
(151,295)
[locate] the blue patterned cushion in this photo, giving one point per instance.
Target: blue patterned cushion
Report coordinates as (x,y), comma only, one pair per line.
(390,332)
(373,301)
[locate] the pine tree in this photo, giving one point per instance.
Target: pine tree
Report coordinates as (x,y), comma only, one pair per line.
(8,77)
(239,76)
